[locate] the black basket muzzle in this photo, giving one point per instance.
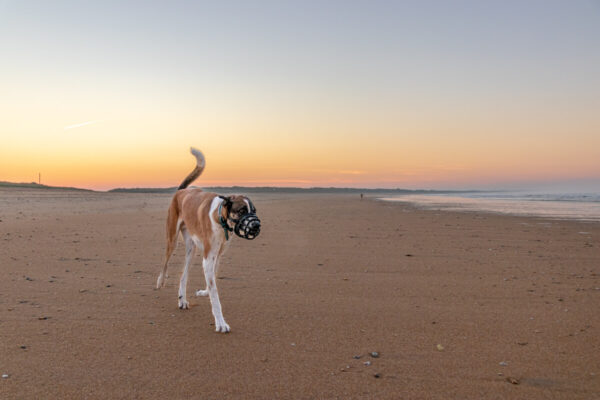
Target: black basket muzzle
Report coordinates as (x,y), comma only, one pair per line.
(248,226)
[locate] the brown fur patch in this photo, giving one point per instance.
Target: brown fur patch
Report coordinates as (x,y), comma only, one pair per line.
(195,206)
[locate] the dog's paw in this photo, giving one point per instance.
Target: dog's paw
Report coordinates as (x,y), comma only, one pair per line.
(222,327)
(183,304)
(203,293)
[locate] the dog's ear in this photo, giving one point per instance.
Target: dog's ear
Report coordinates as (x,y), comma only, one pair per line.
(252,208)
(226,201)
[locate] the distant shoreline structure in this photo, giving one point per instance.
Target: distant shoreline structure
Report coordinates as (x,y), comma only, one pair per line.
(245,189)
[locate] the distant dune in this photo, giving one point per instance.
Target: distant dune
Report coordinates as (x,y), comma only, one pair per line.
(243,189)
(143,190)
(275,189)
(33,185)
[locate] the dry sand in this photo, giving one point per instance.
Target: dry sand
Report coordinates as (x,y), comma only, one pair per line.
(329,278)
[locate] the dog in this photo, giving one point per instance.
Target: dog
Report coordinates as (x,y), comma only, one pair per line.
(205,221)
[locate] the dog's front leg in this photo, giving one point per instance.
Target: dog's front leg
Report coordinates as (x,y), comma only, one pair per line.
(210,266)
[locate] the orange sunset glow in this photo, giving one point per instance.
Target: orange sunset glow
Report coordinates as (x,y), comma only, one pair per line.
(382,96)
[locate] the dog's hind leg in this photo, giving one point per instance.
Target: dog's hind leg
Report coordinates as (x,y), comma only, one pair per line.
(173,226)
(190,248)
(171,244)
(201,292)
(210,266)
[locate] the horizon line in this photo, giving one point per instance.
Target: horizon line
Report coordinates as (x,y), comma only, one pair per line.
(35,185)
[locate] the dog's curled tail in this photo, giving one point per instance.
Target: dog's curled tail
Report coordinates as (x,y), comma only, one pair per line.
(200,163)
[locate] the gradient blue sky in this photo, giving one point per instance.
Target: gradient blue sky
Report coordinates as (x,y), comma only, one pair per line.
(432,94)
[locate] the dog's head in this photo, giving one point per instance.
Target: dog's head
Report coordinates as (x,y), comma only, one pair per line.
(241,216)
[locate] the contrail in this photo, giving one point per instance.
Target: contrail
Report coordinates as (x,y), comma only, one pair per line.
(80,125)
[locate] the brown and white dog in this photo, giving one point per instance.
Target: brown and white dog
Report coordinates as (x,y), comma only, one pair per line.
(205,220)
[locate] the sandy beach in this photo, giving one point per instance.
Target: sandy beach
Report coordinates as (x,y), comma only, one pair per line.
(457,305)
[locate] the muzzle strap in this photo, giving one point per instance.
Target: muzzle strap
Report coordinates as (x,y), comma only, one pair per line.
(223,222)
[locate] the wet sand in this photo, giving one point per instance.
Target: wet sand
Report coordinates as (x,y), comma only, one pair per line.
(457,305)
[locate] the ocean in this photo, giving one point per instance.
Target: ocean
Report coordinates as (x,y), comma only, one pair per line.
(575,206)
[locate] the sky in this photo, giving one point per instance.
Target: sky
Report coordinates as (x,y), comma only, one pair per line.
(376,94)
